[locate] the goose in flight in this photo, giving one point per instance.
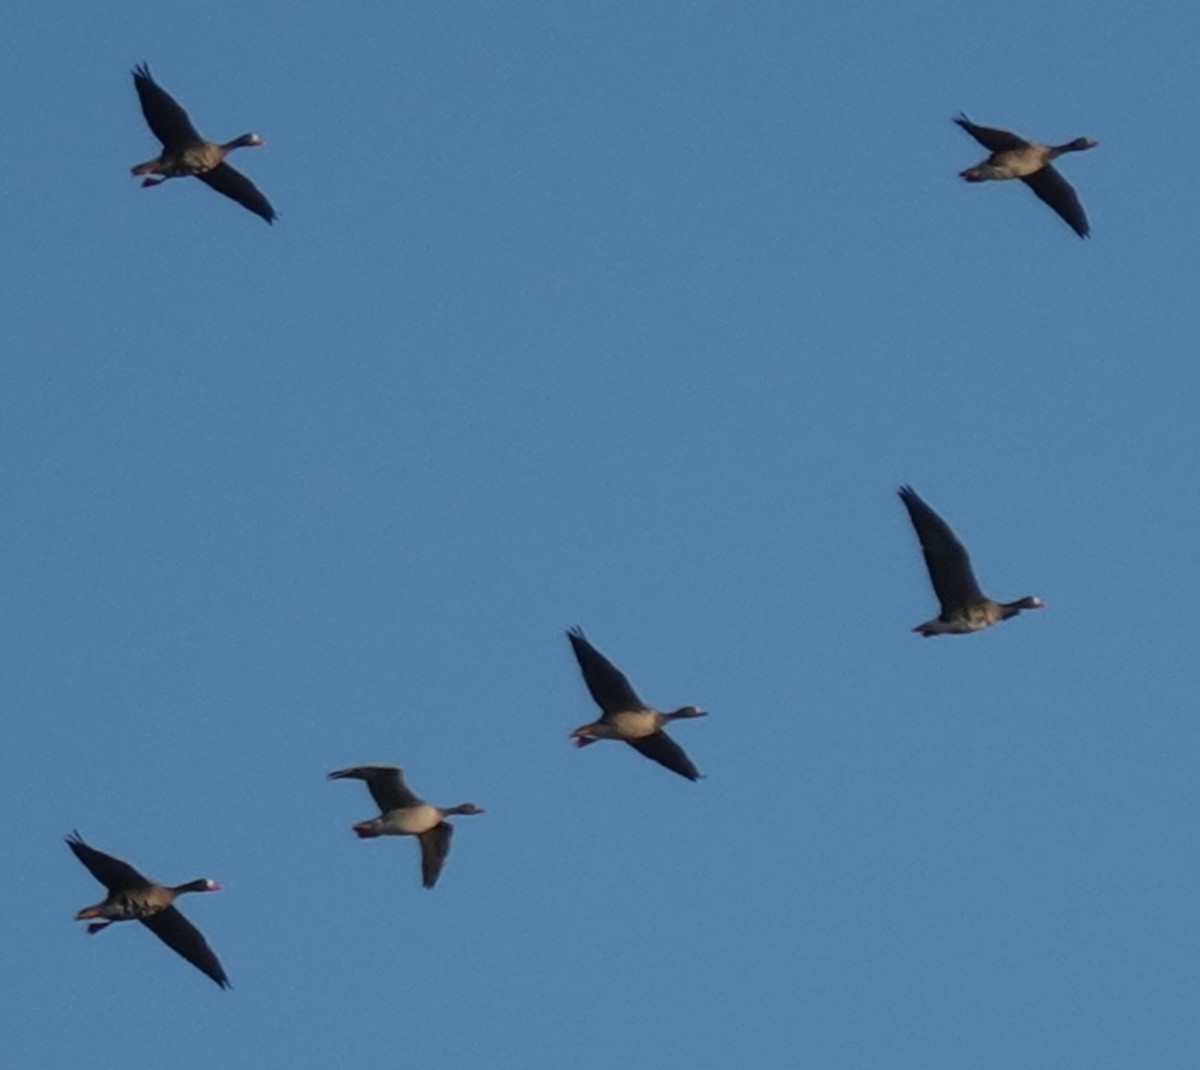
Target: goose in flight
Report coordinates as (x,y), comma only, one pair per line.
(403,813)
(965,608)
(185,152)
(132,897)
(624,716)
(1014,157)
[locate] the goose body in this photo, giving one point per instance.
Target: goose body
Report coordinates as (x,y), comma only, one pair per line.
(622,724)
(403,813)
(1014,157)
(408,821)
(185,153)
(132,897)
(624,716)
(964,606)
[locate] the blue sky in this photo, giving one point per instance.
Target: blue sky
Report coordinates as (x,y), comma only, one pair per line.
(631,316)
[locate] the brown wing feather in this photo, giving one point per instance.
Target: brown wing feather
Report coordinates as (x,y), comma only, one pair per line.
(607,684)
(1057,192)
(661,748)
(235,185)
(945,557)
(166,119)
(114,874)
(385,782)
(182,937)
(990,137)
(435,846)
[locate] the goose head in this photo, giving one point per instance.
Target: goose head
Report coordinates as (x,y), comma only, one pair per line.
(466,809)
(203,884)
(686,711)
(246,141)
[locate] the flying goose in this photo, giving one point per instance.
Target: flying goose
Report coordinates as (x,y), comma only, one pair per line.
(131,896)
(1014,157)
(402,813)
(185,152)
(965,608)
(625,716)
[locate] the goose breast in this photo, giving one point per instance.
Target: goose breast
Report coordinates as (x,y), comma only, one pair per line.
(412,820)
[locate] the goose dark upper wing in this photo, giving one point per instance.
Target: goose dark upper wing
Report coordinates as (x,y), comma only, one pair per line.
(607,684)
(991,138)
(435,845)
(1057,192)
(385,782)
(235,185)
(114,874)
(945,557)
(182,937)
(166,119)
(661,748)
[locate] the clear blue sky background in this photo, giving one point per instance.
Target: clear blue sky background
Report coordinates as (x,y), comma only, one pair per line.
(630,315)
